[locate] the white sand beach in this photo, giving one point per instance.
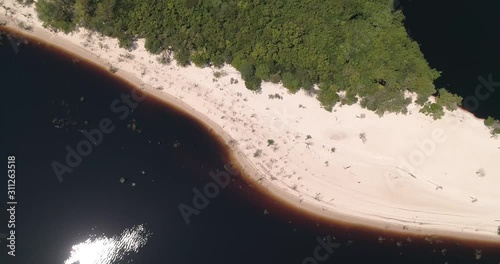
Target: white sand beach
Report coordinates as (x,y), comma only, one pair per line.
(410,173)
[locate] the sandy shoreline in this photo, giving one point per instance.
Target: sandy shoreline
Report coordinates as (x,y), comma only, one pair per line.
(412,174)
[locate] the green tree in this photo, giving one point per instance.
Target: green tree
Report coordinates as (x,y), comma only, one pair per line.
(262,71)
(359,47)
(290,82)
(57,14)
(84,9)
(328,96)
(433,109)
(153,45)
(247,71)
(489,122)
(448,100)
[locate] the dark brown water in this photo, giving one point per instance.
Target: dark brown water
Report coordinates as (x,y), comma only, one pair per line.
(461,39)
(43,113)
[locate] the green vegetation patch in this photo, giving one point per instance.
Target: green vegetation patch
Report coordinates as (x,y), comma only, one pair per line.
(357,46)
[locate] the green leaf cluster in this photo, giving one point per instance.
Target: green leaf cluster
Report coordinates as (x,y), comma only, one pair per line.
(57,14)
(433,109)
(448,100)
(493,125)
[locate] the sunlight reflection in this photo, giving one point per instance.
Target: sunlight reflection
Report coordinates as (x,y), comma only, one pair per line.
(104,250)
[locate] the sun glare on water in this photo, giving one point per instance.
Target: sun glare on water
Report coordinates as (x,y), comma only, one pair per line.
(104,250)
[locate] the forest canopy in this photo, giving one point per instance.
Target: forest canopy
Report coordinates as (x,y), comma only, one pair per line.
(359,47)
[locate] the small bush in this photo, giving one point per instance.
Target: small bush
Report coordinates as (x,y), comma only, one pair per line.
(113,69)
(493,125)
(164,60)
(232,143)
(421,100)
(448,100)
(275,78)
(275,96)
(489,122)
(433,109)
(257,153)
(219,74)
(270,142)
(362,136)
(25,26)
(127,55)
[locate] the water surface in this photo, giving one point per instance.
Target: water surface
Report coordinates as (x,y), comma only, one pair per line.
(51,98)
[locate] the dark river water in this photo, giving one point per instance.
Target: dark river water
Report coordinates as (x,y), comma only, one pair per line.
(53,103)
(462,40)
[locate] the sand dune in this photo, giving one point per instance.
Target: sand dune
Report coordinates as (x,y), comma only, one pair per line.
(409,173)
